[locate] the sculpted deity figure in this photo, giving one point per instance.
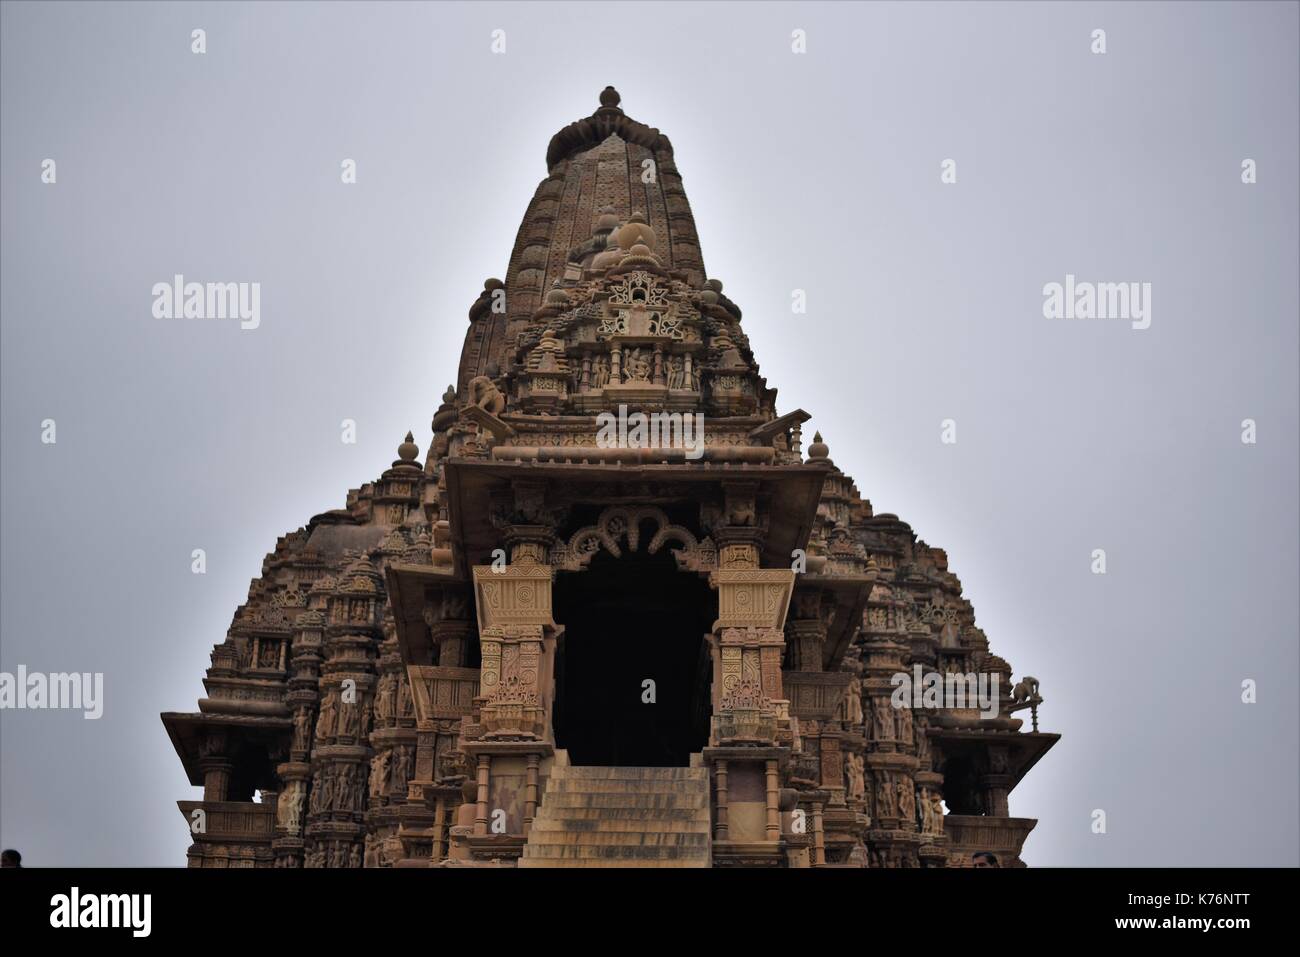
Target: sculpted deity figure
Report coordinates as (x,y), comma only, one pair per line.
(364,717)
(903,725)
(289,807)
(854,767)
(347,789)
(401,769)
(326,792)
(354,856)
(853,702)
(301,730)
(378,772)
(383,699)
(885,803)
(676,372)
(936,813)
(637,367)
(600,372)
(883,720)
(906,800)
(328,715)
(349,715)
(404,705)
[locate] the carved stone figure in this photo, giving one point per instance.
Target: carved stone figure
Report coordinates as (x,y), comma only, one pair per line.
(384,693)
(936,814)
(853,767)
(484,393)
(289,807)
(676,372)
(404,706)
(328,713)
(886,798)
(1026,689)
(922,747)
(853,702)
(378,773)
(636,368)
(401,769)
(906,800)
(903,726)
(301,729)
(883,719)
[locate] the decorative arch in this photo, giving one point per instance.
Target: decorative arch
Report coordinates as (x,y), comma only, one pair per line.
(618,524)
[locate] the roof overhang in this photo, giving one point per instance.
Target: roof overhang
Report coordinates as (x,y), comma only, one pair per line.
(792,492)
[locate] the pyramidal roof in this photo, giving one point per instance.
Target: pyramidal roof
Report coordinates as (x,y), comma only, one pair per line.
(603,170)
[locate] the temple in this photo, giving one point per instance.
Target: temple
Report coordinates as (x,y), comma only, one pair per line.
(543,647)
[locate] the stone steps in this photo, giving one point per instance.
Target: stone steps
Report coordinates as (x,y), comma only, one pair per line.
(622,817)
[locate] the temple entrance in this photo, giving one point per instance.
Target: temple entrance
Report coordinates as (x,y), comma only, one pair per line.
(630,620)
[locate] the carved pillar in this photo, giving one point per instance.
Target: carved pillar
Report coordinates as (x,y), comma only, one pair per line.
(216,777)
(483,778)
(773,807)
(509,734)
(533,798)
(889,760)
(819,835)
(720,829)
(750,732)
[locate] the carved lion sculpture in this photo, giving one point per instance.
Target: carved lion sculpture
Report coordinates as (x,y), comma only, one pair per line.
(484,393)
(1026,689)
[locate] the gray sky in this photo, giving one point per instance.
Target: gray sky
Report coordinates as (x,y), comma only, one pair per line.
(817,172)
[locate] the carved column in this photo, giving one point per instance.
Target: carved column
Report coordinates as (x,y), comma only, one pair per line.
(216,768)
(511,735)
(750,733)
(892,838)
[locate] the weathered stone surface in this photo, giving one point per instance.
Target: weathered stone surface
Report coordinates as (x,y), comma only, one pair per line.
(616,554)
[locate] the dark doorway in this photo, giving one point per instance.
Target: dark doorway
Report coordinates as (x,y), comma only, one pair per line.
(627,620)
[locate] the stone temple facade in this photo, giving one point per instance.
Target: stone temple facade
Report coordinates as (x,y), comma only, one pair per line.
(564,642)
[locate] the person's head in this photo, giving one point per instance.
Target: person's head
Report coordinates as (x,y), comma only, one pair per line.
(10,858)
(983,859)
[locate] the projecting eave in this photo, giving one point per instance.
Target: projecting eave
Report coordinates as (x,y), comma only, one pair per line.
(849,594)
(188,729)
(410,589)
(1024,749)
(792,490)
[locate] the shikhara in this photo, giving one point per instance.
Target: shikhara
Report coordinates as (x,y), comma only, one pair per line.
(575,633)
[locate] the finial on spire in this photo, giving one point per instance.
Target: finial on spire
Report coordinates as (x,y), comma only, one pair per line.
(407,451)
(609,98)
(818,449)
